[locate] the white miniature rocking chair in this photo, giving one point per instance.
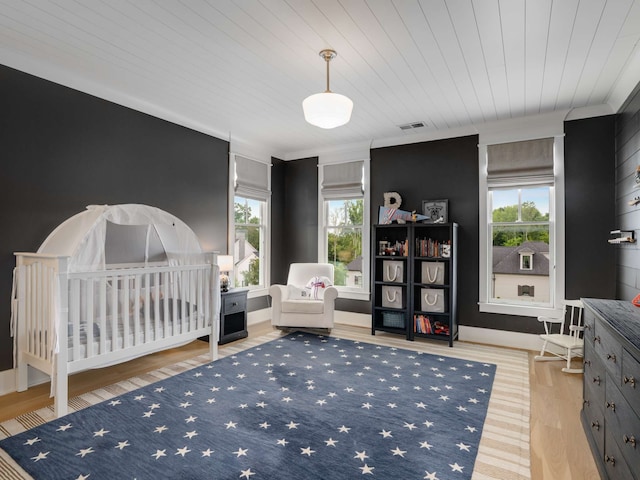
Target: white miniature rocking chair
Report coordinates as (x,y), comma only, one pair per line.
(564,345)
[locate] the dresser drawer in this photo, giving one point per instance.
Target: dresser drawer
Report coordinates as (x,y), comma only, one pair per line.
(624,426)
(609,350)
(614,462)
(593,410)
(630,378)
(594,380)
(233,304)
(589,326)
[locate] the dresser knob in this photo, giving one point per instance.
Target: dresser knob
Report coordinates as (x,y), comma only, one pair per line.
(630,380)
(596,340)
(631,440)
(610,459)
(596,425)
(596,380)
(587,363)
(612,406)
(612,357)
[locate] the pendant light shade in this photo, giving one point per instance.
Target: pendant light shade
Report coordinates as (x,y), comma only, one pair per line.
(327,109)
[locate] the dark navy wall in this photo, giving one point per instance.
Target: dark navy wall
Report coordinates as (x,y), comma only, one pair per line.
(628,216)
(62,150)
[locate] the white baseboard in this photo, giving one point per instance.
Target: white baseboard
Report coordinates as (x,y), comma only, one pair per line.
(488,336)
(8,379)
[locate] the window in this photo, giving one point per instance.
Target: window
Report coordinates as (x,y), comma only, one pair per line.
(250,223)
(344,219)
(248,246)
(520,271)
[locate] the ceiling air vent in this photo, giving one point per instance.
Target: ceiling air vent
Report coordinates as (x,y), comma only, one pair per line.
(413,127)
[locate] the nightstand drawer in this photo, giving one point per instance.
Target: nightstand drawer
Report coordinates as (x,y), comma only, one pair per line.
(232,303)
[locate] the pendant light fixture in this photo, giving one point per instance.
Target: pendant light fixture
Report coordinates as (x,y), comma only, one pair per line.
(327,109)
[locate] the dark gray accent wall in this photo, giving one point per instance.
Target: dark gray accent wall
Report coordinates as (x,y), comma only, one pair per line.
(63,150)
(627,216)
(589,207)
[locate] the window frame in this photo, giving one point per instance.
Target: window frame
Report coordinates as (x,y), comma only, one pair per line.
(265,243)
(362,293)
(556,236)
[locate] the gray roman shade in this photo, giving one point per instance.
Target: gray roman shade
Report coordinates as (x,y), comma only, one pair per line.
(530,159)
(342,180)
(252,178)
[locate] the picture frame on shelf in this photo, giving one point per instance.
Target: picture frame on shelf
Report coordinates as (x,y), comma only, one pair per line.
(436,210)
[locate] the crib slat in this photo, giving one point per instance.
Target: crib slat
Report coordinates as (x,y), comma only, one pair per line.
(165,305)
(157,277)
(103,315)
(74,317)
(148,337)
(125,311)
(115,314)
(88,320)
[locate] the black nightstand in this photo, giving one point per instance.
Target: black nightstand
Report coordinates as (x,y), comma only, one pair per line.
(233,315)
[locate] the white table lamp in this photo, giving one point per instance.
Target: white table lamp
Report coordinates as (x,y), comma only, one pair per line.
(225,262)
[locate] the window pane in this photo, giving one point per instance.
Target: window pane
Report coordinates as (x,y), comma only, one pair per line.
(505,205)
(535,204)
(344,247)
(344,212)
(520,256)
(249,237)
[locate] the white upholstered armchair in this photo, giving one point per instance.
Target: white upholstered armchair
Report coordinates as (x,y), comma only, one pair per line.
(308,298)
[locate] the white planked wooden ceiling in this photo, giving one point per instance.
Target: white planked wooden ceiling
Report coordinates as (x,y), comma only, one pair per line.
(240,69)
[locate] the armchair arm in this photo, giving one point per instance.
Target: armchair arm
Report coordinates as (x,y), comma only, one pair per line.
(330,294)
(278,293)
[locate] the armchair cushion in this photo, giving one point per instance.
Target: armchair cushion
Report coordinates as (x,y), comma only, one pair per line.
(303,306)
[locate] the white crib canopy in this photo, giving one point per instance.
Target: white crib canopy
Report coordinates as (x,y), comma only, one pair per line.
(140,233)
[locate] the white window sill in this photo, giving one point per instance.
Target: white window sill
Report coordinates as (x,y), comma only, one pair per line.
(257,292)
(520,310)
(351,295)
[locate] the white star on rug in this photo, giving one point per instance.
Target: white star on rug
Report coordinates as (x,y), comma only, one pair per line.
(161,429)
(473,400)
(455,467)
(40,456)
(367,405)
(461,408)
(471,429)
(399,452)
(307,451)
(190,419)
(321,402)
(287,399)
(444,398)
(31,441)
(182,451)
(82,477)
(207,452)
(331,442)
(148,414)
(385,433)
(230,425)
(427,423)
(246,473)
(121,445)
(185,404)
(282,442)
(265,425)
(344,429)
(426,445)
(63,428)
(410,426)
(85,451)
(241,452)
(367,469)
(292,425)
(190,434)
(159,453)
(113,403)
(392,405)
(421,405)
(361,455)
(430,476)
(462,446)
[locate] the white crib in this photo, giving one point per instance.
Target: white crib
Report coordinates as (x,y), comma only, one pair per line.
(66,321)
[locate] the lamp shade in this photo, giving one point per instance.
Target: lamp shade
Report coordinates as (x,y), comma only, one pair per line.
(225,262)
(327,110)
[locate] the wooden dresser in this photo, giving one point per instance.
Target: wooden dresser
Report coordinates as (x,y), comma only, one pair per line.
(611,409)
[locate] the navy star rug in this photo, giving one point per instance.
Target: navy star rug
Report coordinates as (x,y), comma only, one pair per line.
(300,407)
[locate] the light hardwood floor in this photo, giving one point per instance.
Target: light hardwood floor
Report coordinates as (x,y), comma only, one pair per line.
(559,449)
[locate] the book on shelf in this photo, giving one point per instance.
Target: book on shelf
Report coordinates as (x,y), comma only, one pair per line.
(423,324)
(429,247)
